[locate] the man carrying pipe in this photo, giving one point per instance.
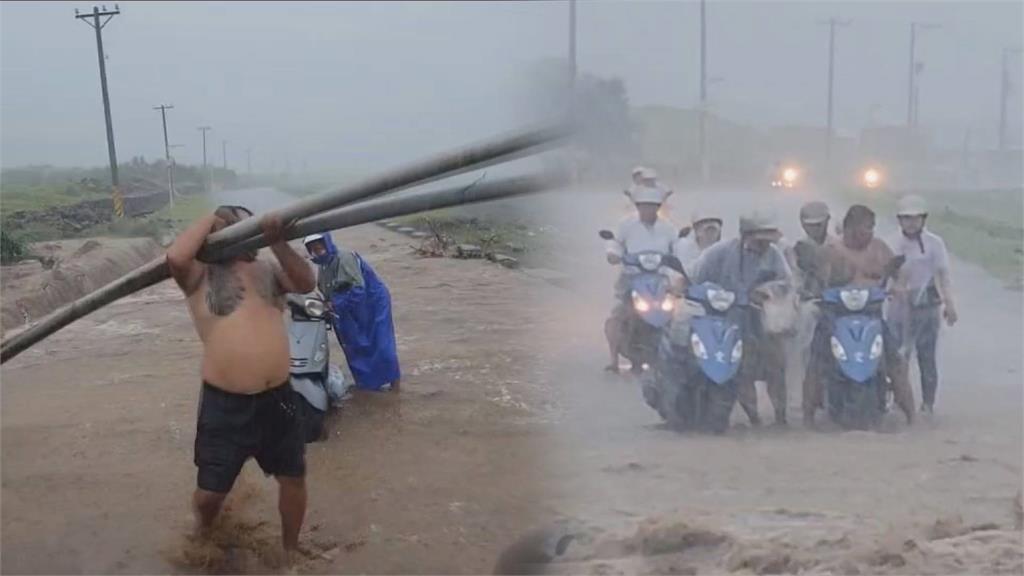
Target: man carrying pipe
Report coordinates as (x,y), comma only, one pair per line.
(247,407)
(361,313)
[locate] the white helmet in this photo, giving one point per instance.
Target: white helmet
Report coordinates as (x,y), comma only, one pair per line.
(699,216)
(758,222)
(912,205)
(648,194)
(312,238)
(648,174)
(637,171)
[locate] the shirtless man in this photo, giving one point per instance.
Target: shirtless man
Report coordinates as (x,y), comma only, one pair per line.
(246,408)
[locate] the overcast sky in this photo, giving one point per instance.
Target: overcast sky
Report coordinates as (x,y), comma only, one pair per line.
(374,84)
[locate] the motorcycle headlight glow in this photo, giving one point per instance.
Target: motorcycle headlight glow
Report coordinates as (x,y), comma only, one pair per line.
(640,304)
(872,177)
(649,262)
(854,300)
(667,304)
(737,352)
(314,307)
(698,347)
(837,350)
(721,300)
(790,175)
(876,348)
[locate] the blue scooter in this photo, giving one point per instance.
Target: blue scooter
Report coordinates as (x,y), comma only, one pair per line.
(651,304)
(857,342)
(716,347)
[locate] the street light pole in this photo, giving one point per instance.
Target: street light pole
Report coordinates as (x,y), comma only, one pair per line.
(1004,94)
(912,72)
(829,130)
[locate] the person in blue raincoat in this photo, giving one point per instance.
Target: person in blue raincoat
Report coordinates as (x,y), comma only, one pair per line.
(361,306)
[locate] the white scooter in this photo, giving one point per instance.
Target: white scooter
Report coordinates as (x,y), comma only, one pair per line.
(319,383)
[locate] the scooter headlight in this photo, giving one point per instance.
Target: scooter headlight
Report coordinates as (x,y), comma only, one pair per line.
(649,262)
(314,308)
(854,300)
(737,352)
(876,347)
(698,347)
(837,350)
(640,304)
(667,305)
(721,300)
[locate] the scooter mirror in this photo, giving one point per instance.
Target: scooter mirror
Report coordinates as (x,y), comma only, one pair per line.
(606,234)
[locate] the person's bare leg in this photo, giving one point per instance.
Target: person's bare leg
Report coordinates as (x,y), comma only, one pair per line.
(902,391)
(291,503)
(612,334)
(206,505)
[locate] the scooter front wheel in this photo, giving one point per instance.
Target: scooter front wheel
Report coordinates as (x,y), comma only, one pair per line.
(854,405)
(714,403)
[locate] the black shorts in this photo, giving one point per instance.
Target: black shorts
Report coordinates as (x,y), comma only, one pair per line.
(231,428)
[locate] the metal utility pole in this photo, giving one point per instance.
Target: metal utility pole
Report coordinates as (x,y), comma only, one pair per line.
(829,130)
(167,151)
(97,25)
(572,46)
(224,153)
(206,167)
(912,73)
(1004,94)
(702,144)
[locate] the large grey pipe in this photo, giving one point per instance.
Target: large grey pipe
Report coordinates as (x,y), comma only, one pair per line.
(157,270)
(473,157)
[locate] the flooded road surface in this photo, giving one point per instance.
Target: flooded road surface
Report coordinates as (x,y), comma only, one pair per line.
(506,421)
(934,498)
(98,423)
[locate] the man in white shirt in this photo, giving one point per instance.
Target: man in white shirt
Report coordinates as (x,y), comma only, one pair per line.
(916,318)
(705,231)
(644,232)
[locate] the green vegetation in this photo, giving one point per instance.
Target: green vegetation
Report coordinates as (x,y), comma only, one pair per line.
(984,227)
(12,249)
(167,220)
(186,210)
(16,197)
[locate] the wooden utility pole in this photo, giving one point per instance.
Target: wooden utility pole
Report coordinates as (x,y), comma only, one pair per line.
(98,25)
(163,108)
